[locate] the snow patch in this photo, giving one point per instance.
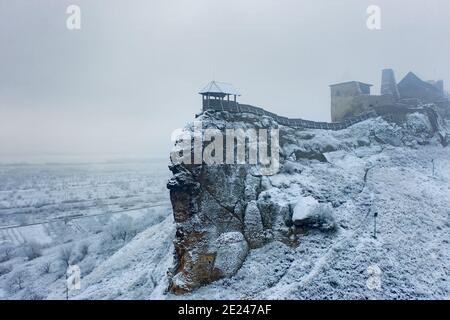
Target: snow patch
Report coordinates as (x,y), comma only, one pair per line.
(304,207)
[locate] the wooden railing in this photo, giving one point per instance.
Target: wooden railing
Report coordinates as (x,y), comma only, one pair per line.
(234,107)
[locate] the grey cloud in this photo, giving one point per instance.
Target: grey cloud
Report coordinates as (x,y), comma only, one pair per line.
(131,75)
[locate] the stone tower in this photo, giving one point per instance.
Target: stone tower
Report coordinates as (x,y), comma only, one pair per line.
(388,84)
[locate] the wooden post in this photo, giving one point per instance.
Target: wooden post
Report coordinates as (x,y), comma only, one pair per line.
(375,215)
(67,286)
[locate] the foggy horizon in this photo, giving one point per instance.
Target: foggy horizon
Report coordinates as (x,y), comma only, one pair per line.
(123,83)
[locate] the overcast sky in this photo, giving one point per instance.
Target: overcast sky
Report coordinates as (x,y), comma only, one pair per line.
(130,76)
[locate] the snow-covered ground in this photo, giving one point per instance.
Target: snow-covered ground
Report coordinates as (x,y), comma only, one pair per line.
(408,259)
(32,194)
(82,208)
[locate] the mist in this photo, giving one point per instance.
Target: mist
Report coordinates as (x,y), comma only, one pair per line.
(124,82)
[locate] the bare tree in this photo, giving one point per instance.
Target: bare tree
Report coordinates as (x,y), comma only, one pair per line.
(6,251)
(83,250)
(46,267)
(33,250)
(65,256)
(16,281)
(122,229)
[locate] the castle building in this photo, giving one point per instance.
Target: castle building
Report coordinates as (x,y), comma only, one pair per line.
(350,99)
(412,87)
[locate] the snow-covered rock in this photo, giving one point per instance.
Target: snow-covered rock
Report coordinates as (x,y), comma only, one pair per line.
(231,252)
(419,123)
(253,228)
(303,208)
(309,213)
(329,180)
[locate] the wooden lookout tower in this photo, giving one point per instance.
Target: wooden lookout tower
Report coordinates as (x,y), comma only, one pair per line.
(216,95)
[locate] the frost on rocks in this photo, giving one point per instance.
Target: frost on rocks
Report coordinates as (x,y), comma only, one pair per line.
(303,208)
(254,229)
(329,180)
(419,123)
(231,252)
(309,213)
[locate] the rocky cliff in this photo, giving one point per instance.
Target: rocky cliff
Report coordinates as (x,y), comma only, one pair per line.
(224,212)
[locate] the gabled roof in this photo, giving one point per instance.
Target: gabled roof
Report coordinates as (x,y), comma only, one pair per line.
(412,78)
(348,82)
(219,88)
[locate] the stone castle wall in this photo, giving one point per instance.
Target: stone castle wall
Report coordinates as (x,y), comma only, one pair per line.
(343,107)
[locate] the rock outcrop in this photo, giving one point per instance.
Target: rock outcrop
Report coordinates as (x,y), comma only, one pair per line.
(224,211)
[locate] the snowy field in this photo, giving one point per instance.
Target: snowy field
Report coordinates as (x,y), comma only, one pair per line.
(89,209)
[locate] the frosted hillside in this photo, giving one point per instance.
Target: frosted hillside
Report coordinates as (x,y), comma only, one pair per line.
(55,214)
(412,245)
(331,182)
(391,175)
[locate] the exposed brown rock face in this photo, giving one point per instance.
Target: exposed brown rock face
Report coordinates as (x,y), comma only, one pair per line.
(209,204)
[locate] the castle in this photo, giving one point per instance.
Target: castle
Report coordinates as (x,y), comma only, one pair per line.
(349,99)
(216,97)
